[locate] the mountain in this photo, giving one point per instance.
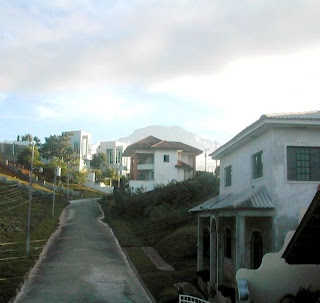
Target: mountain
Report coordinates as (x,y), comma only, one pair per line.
(177,133)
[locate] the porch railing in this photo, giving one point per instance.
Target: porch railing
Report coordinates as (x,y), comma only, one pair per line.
(190,299)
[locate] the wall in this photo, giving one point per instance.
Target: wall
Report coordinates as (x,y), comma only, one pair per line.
(288,196)
(84,140)
(114,145)
(241,161)
(275,278)
(164,172)
(146,185)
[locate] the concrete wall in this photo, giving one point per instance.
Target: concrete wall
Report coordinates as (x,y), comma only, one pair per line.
(103,146)
(164,172)
(288,196)
(275,278)
(146,185)
(83,139)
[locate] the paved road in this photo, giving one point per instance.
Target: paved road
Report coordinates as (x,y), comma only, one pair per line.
(83,263)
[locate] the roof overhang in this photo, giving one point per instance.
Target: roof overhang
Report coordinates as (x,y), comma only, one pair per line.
(303,247)
(258,128)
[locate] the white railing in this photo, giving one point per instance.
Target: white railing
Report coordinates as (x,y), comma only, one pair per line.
(189,299)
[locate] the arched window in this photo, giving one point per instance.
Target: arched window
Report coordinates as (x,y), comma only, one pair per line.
(256,249)
(227,243)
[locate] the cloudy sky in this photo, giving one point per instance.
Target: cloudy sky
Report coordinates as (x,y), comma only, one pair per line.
(109,67)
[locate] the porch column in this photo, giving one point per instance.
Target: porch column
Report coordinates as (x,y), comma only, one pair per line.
(200,244)
(213,250)
(240,242)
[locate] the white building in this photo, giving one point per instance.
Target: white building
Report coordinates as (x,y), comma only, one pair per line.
(154,161)
(269,175)
(81,142)
(114,152)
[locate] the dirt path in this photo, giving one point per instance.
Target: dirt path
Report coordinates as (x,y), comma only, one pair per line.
(83,263)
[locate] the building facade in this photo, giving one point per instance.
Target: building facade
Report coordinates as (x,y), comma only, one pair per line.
(114,152)
(81,144)
(269,173)
(155,161)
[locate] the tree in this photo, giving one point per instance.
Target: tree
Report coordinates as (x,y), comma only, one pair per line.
(80,177)
(57,147)
(25,156)
(99,161)
(27,137)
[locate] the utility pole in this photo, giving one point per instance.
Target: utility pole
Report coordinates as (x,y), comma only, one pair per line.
(57,172)
(205,159)
(30,202)
(68,181)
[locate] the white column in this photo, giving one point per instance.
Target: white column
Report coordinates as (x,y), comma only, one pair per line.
(240,242)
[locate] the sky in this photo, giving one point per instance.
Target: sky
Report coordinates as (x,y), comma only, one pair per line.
(109,67)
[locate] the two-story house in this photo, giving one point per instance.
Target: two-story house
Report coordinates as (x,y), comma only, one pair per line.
(155,161)
(269,175)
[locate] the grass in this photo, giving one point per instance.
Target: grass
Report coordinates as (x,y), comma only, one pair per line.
(133,234)
(14,201)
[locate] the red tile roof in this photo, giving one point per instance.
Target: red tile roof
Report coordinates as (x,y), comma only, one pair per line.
(155,143)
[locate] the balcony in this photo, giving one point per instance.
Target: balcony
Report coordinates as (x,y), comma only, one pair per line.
(145,166)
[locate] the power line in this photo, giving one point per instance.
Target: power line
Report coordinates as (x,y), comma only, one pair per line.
(13,207)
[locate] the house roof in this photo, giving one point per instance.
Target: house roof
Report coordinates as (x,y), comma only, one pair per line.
(249,199)
(177,146)
(298,120)
(155,143)
(303,247)
(145,143)
(181,164)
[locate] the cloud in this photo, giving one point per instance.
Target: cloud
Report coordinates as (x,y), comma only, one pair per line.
(53,46)
(43,112)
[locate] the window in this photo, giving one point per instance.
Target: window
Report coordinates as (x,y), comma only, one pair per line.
(257,165)
(303,163)
(227,243)
(165,158)
(76,146)
(110,156)
(119,155)
(256,249)
(228,176)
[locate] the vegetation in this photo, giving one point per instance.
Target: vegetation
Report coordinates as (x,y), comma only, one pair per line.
(14,264)
(160,218)
(14,193)
(57,146)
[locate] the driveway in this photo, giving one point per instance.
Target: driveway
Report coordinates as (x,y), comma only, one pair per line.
(83,263)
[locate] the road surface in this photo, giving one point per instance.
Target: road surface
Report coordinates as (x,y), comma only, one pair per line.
(83,263)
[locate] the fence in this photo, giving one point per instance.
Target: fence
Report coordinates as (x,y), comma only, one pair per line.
(190,299)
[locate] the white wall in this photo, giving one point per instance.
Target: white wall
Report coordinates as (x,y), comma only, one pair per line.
(83,138)
(103,146)
(146,185)
(288,196)
(275,278)
(241,161)
(164,172)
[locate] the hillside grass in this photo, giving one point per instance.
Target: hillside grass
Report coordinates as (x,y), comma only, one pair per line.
(14,202)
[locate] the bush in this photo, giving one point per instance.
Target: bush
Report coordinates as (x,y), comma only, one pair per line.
(182,243)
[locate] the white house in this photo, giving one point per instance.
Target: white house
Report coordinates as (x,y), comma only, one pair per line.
(269,174)
(81,142)
(154,161)
(114,152)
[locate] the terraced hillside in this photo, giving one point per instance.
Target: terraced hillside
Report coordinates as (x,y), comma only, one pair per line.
(14,201)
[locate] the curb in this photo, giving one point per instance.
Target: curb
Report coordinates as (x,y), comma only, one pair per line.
(152,299)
